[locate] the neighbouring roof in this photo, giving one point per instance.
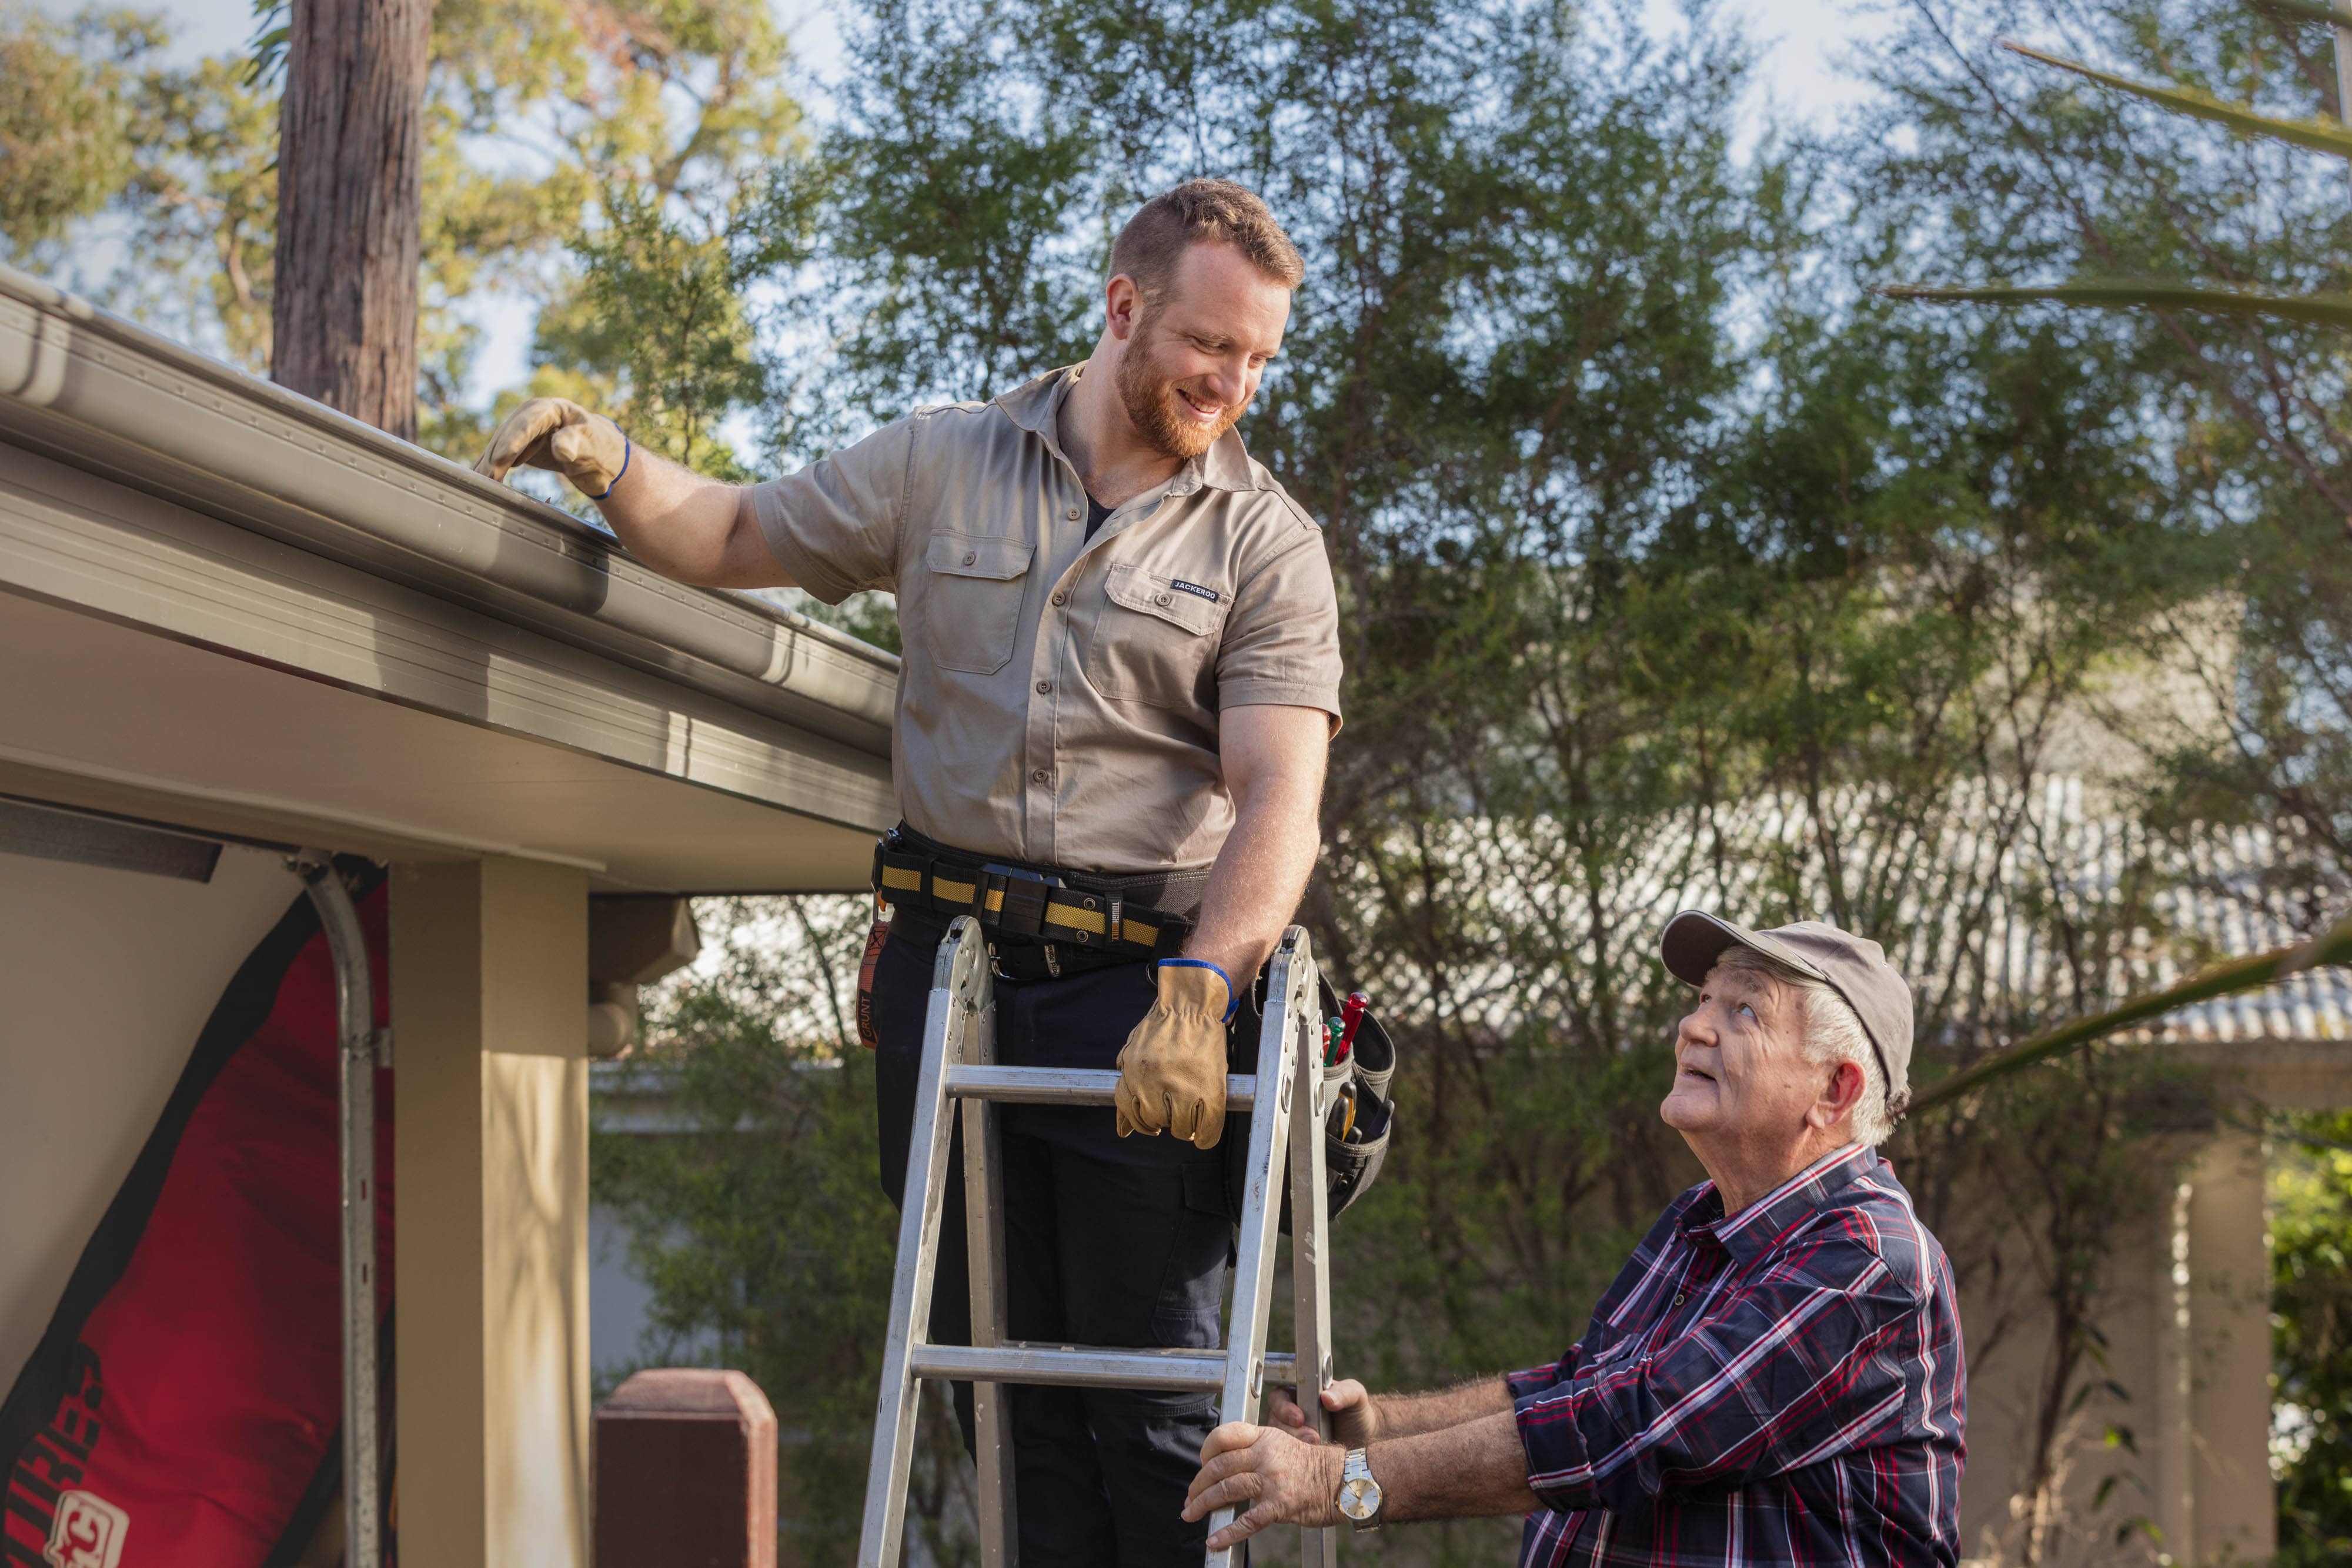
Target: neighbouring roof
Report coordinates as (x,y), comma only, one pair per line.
(1973,893)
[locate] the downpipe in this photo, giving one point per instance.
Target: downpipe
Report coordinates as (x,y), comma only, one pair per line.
(361,1050)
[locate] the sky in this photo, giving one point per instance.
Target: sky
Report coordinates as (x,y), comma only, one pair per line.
(1805,37)
(1803,43)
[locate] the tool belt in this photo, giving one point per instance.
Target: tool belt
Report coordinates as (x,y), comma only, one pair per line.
(1146,915)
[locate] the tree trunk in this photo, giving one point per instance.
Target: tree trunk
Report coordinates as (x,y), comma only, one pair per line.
(350,156)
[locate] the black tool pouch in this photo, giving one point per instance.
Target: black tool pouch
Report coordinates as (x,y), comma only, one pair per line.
(1349,1168)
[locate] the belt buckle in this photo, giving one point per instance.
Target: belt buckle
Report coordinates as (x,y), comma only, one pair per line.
(1021,909)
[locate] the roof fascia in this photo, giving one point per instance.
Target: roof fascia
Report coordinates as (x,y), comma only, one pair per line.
(113,399)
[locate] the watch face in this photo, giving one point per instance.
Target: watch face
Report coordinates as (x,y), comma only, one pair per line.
(1360,1499)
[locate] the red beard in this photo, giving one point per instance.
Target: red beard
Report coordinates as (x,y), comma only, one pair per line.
(1152,408)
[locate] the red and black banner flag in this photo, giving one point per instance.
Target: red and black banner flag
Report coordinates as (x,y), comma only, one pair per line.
(183,1405)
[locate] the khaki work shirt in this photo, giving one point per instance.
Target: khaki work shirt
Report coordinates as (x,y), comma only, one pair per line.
(1059,697)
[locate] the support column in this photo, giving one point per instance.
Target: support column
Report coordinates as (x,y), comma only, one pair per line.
(2172,1297)
(490,988)
(2236,1518)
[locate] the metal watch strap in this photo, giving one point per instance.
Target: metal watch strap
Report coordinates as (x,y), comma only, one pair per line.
(1358,1467)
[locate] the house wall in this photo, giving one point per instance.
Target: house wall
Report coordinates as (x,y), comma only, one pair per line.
(106,979)
(620,1312)
(2168,1459)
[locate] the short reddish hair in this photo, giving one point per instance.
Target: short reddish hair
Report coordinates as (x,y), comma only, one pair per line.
(1200,212)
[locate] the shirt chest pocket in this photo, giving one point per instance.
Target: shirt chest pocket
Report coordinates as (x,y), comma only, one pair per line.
(1155,637)
(972,609)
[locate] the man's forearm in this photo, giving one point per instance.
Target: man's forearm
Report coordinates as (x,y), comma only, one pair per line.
(1475,1471)
(1472,1468)
(1409,1415)
(1254,886)
(688,527)
(1274,760)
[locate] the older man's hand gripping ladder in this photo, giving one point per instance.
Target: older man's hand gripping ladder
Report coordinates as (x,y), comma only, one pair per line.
(959,1064)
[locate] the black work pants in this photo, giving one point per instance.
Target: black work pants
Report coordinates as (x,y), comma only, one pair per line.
(1108,1241)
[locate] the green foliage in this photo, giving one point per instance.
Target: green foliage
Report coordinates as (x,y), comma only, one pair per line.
(661,127)
(667,310)
(601,163)
(2311,1312)
(2013,173)
(92,122)
(2323,134)
(64,120)
(273,34)
(2020,174)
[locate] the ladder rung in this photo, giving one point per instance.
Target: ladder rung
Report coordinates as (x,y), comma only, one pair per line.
(1019,1360)
(1065,1086)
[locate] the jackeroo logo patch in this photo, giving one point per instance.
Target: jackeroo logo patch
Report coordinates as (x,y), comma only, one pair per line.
(1181,586)
(88,1532)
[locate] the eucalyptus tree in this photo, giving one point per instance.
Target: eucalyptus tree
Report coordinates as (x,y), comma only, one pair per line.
(351,171)
(591,163)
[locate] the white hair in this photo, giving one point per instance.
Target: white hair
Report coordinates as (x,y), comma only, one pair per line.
(1833,1033)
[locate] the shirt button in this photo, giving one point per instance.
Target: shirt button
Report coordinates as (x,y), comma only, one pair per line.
(1163,599)
(1041,776)
(1681,1296)
(1043,687)
(1061,599)
(1073,514)
(971,557)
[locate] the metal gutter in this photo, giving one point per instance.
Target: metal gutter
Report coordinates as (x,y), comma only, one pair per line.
(101,394)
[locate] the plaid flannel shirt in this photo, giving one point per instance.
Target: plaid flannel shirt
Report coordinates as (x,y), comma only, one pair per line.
(1783,1386)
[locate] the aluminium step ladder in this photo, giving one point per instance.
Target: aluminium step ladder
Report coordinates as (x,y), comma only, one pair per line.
(959,1064)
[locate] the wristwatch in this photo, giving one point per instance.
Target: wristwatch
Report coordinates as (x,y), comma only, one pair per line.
(1359,1494)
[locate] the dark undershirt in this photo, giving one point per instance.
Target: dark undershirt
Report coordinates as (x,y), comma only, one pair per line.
(1096,513)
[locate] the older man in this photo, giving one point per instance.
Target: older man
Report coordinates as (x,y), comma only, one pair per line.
(1776,1376)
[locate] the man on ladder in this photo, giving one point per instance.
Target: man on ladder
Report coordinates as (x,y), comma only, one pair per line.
(1121,676)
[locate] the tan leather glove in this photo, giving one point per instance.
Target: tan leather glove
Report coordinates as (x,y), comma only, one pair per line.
(1171,1072)
(557,433)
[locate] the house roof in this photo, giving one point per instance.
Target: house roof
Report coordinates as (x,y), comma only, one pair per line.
(228,606)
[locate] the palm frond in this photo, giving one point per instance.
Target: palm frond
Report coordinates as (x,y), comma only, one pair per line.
(2147,294)
(2333,947)
(2303,11)
(2319,135)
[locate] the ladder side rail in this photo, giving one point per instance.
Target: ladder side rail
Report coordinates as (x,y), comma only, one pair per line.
(984,1207)
(961,957)
(1310,1262)
(1290,991)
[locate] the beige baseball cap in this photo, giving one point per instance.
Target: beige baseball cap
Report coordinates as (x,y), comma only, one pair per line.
(1855,967)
